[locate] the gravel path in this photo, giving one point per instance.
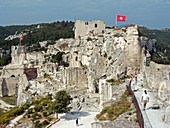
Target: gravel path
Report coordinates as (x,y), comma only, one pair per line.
(69,120)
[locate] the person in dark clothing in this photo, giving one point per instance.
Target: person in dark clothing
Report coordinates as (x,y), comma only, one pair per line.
(77,122)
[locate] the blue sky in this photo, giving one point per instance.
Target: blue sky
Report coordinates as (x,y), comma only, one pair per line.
(149,13)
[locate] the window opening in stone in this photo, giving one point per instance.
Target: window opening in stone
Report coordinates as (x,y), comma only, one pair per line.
(76,58)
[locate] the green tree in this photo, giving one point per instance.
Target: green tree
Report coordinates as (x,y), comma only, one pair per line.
(57,58)
(4,60)
(62,100)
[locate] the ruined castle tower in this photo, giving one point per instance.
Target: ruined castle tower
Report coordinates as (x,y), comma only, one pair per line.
(18,54)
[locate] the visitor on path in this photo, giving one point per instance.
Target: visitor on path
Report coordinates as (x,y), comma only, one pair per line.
(136,78)
(145,99)
(77,122)
(130,82)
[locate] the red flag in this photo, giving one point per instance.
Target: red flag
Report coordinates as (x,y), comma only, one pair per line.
(120,18)
(21,38)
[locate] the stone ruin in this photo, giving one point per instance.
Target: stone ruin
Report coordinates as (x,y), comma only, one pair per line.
(94,55)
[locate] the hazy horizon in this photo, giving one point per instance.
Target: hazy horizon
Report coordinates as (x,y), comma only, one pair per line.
(152,14)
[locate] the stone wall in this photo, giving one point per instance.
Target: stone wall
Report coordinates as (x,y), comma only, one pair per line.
(8,86)
(74,77)
(18,54)
(109,93)
(83,28)
(75,60)
(157,78)
(22,95)
(13,70)
(105,91)
(34,58)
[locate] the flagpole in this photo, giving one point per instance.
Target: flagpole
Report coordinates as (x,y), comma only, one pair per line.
(116,21)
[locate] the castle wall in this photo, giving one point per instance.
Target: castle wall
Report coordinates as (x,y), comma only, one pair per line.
(18,54)
(12,70)
(82,28)
(36,57)
(8,86)
(75,59)
(74,77)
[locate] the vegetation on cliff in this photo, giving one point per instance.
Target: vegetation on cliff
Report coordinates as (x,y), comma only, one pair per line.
(59,59)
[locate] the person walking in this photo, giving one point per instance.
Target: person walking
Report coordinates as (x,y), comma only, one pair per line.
(145,99)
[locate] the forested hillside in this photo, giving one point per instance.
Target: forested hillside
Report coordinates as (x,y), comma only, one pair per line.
(34,34)
(162,53)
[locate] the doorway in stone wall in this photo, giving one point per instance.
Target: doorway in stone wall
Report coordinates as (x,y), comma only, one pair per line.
(96,86)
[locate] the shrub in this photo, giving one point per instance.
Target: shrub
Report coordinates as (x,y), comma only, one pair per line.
(34,102)
(17,111)
(28,116)
(30,111)
(45,122)
(57,58)
(25,106)
(37,124)
(45,114)
(65,64)
(110,80)
(113,81)
(38,108)
(1,111)
(34,116)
